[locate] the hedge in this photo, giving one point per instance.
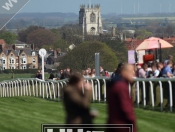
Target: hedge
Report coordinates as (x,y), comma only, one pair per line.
(20,71)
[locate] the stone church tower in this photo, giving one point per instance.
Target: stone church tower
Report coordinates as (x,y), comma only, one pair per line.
(90,19)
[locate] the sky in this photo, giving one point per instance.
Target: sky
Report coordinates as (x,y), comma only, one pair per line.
(107,6)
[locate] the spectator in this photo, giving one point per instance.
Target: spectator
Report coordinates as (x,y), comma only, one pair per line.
(107,73)
(86,74)
(39,75)
(120,106)
(66,74)
(160,68)
(138,67)
(77,104)
(167,72)
(92,73)
(173,70)
(102,73)
(83,73)
(117,72)
(89,70)
(169,58)
(148,70)
(142,71)
(59,74)
(156,72)
(51,76)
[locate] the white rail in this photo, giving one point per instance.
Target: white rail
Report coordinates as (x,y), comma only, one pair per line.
(54,89)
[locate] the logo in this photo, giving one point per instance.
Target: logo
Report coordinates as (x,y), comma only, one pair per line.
(86,128)
(8,9)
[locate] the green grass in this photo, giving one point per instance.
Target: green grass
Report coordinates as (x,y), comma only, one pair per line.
(26,114)
(9,76)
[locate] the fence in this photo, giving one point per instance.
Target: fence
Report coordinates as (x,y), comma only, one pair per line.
(144,92)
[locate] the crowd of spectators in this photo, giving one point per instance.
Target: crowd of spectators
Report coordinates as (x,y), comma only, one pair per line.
(63,74)
(164,69)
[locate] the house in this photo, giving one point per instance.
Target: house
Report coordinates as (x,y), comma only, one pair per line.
(52,59)
(18,56)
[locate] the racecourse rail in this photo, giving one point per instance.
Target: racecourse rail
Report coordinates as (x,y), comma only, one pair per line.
(144,92)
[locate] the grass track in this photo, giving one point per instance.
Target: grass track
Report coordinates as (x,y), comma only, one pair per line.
(26,114)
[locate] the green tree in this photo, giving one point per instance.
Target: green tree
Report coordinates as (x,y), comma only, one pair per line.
(142,34)
(62,44)
(8,37)
(83,56)
(118,47)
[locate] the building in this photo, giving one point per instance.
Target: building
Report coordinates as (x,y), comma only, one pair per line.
(52,59)
(90,19)
(18,56)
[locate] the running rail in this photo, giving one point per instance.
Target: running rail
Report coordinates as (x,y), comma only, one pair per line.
(54,89)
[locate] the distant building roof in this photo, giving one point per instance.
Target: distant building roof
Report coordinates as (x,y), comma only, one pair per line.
(19,42)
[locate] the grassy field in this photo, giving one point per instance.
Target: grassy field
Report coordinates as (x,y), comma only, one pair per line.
(9,76)
(26,114)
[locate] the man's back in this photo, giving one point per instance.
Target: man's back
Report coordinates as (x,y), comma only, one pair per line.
(120,105)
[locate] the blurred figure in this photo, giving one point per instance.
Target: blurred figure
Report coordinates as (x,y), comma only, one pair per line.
(77,104)
(120,106)
(167,71)
(39,75)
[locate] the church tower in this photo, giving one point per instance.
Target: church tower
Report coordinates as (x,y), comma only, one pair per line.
(90,19)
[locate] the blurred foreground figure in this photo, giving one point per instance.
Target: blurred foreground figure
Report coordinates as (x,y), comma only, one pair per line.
(76,103)
(120,106)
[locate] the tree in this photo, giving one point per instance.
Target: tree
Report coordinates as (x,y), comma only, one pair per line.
(72,33)
(41,37)
(24,33)
(58,44)
(8,37)
(118,47)
(83,56)
(142,34)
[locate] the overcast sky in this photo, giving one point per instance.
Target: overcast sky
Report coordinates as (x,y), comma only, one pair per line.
(107,6)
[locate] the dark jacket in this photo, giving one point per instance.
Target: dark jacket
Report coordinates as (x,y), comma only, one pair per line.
(77,106)
(39,76)
(120,106)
